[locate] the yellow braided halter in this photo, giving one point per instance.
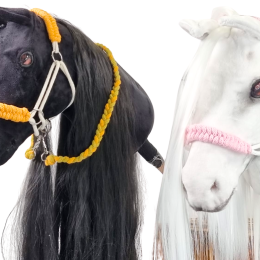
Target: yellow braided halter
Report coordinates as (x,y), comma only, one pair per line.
(51,159)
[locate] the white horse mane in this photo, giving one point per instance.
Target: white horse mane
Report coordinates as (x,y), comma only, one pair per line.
(227,231)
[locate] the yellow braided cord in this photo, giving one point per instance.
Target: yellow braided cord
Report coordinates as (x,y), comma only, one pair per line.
(50,23)
(101,128)
(16,114)
(29,154)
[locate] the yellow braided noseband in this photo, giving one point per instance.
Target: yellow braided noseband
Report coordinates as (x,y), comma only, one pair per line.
(52,29)
(16,114)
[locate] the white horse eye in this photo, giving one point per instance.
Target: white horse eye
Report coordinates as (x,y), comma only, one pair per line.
(255,90)
(26,59)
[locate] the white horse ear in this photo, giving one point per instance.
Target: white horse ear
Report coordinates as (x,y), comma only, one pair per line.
(246,23)
(198,29)
(201,28)
(221,11)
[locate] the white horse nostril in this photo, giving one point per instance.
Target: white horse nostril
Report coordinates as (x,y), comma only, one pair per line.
(214,187)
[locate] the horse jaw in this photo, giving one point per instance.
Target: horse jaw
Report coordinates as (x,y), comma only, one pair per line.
(252,175)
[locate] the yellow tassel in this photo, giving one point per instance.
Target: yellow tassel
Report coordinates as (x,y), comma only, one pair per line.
(29,154)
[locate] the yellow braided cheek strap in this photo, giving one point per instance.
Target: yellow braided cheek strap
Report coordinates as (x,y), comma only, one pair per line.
(109,107)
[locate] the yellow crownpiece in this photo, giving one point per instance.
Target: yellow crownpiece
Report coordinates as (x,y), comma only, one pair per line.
(51,25)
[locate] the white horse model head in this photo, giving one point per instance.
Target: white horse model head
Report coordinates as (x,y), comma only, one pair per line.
(215,137)
(228,106)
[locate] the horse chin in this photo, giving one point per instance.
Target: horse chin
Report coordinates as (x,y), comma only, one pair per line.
(207,190)
(208,207)
(6,155)
(210,176)
(8,145)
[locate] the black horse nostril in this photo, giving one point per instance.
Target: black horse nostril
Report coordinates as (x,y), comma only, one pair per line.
(214,187)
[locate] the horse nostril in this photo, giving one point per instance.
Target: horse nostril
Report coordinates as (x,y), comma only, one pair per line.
(197,208)
(214,187)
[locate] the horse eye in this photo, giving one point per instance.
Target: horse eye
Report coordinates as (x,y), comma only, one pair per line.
(26,59)
(255,90)
(2,24)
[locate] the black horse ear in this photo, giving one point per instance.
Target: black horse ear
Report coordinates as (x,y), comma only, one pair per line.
(20,16)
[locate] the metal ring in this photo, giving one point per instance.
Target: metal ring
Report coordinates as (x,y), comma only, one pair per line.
(39,111)
(46,130)
(44,154)
(52,55)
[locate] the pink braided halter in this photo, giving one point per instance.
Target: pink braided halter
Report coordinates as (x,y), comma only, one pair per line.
(212,135)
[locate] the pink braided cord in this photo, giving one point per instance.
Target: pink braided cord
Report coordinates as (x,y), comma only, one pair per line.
(256,18)
(212,135)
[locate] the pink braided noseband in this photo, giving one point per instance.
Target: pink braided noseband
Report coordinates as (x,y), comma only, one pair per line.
(212,135)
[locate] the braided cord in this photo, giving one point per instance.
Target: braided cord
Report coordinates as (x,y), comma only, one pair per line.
(101,128)
(51,25)
(13,113)
(212,135)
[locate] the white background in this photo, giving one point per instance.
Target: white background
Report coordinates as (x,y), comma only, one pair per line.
(147,42)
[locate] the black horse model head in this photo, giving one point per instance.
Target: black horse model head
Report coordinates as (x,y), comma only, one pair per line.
(87,210)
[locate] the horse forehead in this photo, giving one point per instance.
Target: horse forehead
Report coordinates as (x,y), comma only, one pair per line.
(17,37)
(237,55)
(241,42)
(34,31)
(14,31)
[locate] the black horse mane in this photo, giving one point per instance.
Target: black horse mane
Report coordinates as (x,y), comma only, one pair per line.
(88,210)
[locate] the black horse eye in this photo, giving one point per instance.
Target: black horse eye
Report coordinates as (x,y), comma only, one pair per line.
(26,59)
(2,24)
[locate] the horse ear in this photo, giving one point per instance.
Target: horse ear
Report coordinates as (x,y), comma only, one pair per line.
(198,29)
(201,28)
(246,23)
(20,16)
(221,11)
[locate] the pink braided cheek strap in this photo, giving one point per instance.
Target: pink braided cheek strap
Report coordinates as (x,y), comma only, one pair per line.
(212,135)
